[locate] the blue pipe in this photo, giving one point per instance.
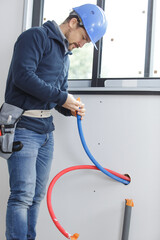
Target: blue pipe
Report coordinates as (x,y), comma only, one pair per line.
(91,156)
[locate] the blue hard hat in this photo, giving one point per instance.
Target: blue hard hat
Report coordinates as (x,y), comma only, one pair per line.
(94,21)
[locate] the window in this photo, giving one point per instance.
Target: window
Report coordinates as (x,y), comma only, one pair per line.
(123,54)
(129,50)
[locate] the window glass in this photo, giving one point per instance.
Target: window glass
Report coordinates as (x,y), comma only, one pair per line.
(81,59)
(123,54)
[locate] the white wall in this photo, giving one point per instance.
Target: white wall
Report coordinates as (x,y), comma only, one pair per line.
(11,13)
(11,25)
(122,133)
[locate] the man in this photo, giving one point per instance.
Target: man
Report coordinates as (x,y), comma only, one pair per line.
(37,82)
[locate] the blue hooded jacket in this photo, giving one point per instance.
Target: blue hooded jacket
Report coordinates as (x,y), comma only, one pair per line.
(38,74)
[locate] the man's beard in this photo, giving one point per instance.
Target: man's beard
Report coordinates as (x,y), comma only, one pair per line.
(72,43)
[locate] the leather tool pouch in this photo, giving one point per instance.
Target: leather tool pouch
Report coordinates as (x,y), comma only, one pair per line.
(9,116)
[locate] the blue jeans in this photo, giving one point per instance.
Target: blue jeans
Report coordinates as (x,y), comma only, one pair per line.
(29,172)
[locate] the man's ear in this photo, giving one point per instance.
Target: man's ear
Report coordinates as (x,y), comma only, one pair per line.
(73,23)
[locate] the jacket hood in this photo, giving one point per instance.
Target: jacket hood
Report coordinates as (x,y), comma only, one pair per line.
(53,30)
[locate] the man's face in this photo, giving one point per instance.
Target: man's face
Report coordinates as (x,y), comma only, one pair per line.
(76,36)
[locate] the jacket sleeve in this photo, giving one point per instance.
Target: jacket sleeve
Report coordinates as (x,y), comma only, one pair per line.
(28,52)
(62,110)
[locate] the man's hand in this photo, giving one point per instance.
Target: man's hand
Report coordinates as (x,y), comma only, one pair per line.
(74,105)
(81,112)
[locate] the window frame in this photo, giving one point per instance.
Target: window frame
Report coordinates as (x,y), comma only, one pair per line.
(97,84)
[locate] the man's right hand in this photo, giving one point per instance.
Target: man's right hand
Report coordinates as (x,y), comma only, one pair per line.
(74,105)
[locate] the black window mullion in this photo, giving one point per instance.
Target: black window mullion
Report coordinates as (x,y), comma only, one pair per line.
(37,17)
(96,65)
(97,55)
(149,38)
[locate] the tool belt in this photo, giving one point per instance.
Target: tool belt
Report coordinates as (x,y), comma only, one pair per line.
(9,117)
